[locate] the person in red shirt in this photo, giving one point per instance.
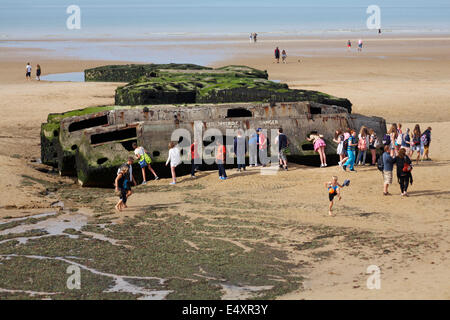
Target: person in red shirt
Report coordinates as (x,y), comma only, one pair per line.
(195,165)
(221,152)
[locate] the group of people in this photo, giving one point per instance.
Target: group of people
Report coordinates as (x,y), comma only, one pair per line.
(278,53)
(360,45)
(253,37)
(29,69)
(399,148)
(257,143)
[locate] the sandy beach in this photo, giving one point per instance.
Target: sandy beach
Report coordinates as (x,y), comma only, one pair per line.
(402,79)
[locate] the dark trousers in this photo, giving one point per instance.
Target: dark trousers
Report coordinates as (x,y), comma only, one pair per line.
(193,167)
(404,183)
(221,167)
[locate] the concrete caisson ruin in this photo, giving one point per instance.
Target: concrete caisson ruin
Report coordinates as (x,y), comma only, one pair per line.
(92,143)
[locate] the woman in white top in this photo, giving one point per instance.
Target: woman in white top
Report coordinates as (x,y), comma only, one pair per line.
(174,159)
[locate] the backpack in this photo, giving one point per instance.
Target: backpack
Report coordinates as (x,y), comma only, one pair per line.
(345,144)
(386,139)
(362,144)
(424,139)
(380,163)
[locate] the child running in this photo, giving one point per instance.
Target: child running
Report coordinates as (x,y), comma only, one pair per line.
(334,189)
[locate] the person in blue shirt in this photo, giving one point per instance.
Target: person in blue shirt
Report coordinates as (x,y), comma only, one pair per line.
(351,151)
(388,167)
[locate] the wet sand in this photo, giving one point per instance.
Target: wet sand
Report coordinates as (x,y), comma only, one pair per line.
(402,80)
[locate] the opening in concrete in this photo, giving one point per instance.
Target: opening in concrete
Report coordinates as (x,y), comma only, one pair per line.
(156,153)
(315,110)
(238,113)
(74,147)
(88,123)
(128,145)
(55,133)
(114,136)
(102,160)
(308,147)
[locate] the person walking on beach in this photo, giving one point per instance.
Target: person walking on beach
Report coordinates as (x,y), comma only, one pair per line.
(239,150)
(28,74)
(221,153)
(144,161)
(351,152)
(388,160)
(416,144)
(283,56)
(373,145)
(349,45)
(255,35)
(122,185)
(404,168)
(174,159)
(251,37)
(393,135)
(283,143)
(426,140)
(38,72)
(319,146)
(277,55)
(360,45)
(195,165)
(253,150)
(131,179)
(363,142)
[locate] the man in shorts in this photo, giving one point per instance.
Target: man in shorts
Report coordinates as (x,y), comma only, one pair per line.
(144,161)
(282,142)
(388,168)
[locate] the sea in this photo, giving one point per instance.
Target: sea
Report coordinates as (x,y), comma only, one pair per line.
(60,25)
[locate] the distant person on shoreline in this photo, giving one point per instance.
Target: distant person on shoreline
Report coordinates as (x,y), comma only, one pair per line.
(251,37)
(360,45)
(174,159)
(283,56)
(38,73)
(349,45)
(144,161)
(277,55)
(255,35)
(319,146)
(28,74)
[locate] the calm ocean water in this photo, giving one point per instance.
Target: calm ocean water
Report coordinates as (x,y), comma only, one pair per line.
(46,19)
